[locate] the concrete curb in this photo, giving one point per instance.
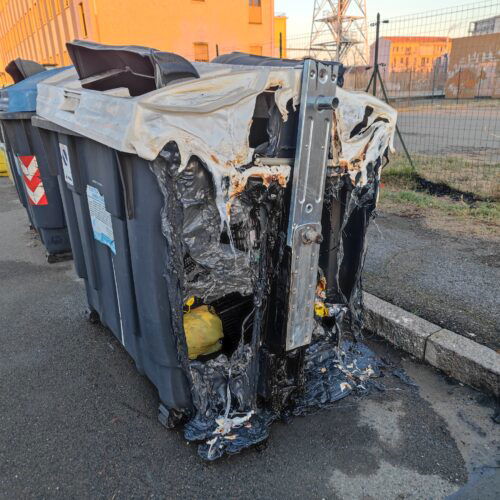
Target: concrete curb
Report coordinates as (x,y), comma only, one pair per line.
(457,356)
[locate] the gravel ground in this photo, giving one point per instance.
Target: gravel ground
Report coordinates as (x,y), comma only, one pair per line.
(78,421)
(449,280)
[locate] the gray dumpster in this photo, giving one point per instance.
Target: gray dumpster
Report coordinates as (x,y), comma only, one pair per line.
(244,190)
(34,174)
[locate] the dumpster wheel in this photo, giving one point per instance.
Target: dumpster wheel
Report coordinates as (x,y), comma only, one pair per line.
(93,317)
(52,258)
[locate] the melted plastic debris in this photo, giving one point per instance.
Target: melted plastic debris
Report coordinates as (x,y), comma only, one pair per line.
(254,430)
(363,129)
(225,421)
(330,374)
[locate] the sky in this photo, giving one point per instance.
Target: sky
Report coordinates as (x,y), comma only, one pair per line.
(299,12)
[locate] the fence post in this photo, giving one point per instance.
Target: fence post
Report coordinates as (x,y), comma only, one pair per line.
(375,59)
(217,49)
(478,94)
(458,83)
(281,45)
(409,87)
(434,81)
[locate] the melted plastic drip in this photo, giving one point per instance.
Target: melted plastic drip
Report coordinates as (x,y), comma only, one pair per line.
(245,260)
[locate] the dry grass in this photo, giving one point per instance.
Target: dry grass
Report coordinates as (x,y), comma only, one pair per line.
(398,195)
(463,174)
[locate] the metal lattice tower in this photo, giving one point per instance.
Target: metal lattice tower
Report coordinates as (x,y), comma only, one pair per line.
(340,31)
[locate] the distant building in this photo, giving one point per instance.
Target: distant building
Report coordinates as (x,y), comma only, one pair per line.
(410,53)
(280,29)
(474,67)
(485,26)
(195,29)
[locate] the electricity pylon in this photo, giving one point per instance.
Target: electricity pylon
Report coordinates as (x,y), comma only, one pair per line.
(340,31)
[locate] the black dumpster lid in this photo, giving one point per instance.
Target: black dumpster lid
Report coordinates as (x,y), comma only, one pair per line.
(140,69)
(19,69)
(252,60)
(245,59)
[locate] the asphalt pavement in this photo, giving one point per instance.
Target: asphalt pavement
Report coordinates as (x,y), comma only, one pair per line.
(452,281)
(439,127)
(78,421)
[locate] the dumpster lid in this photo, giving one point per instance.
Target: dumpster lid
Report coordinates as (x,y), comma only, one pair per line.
(210,117)
(139,69)
(21,97)
(19,69)
(244,59)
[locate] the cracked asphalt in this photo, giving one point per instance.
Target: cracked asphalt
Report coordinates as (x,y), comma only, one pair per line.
(78,421)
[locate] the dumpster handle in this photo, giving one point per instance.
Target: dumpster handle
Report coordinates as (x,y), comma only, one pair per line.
(71,101)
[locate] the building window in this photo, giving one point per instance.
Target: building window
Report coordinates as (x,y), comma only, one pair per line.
(201,52)
(254,12)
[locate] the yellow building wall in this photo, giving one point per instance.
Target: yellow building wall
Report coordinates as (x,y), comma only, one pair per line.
(39,29)
(280,28)
(417,54)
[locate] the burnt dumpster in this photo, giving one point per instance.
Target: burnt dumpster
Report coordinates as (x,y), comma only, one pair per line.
(238,196)
(34,174)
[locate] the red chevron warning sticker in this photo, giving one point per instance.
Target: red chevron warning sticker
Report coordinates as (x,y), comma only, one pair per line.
(33,181)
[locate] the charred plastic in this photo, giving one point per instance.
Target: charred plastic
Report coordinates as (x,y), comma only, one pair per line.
(226,250)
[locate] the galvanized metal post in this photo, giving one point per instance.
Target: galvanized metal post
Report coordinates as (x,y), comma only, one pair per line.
(375,61)
(434,80)
(317,101)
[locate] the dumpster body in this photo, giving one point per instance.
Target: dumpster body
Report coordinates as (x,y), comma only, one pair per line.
(247,190)
(34,175)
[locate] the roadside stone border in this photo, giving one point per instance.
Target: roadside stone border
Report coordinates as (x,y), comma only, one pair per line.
(457,356)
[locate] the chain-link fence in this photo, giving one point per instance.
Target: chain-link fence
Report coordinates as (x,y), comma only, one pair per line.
(441,71)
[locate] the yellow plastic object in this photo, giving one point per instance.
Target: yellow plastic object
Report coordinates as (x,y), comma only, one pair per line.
(4,164)
(203,330)
(189,302)
(320,309)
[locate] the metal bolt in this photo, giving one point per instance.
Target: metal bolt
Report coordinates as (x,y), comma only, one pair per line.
(311,236)
(326,102)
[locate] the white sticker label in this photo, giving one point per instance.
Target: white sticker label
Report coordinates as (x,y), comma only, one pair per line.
(65,164)
(102,225)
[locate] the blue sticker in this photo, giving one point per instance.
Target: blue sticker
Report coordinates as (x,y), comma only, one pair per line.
(100,218)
